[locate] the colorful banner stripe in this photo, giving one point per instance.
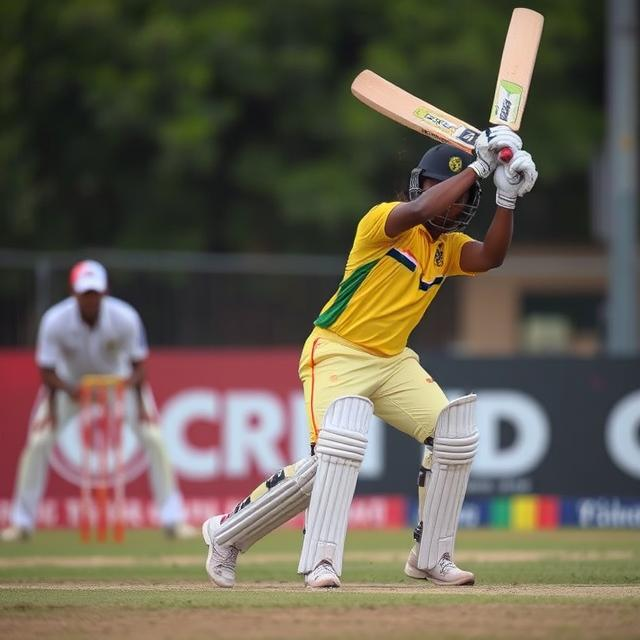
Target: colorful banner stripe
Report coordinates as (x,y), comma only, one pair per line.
(537,512)
(379,511)
(529,512)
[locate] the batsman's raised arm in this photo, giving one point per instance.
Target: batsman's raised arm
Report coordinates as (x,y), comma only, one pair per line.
(512,181)
(445,183)
(477,257)
(434,200)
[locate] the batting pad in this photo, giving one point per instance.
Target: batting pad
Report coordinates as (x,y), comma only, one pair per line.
(340,450)
(278,499)
(455,444)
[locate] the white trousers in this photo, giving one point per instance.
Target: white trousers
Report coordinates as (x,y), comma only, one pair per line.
(33,466)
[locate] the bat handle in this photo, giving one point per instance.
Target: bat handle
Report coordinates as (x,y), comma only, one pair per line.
(505,155)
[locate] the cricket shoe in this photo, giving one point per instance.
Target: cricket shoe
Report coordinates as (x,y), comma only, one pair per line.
(323,576)
(445,573)
(15,534)
(221,561)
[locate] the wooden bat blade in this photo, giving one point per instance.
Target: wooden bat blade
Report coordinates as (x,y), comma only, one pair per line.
(516,67)
(402,107)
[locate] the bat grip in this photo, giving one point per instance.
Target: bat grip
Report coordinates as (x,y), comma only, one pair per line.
(505,155)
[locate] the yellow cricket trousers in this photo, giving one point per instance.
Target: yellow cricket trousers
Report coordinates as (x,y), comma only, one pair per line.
(403,394)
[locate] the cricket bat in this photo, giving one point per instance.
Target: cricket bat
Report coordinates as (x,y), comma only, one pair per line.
(516,68)
(512,87)
(399,105)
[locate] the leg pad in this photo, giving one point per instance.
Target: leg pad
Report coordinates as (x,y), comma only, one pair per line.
(340,451)
(274,502)
(454,446)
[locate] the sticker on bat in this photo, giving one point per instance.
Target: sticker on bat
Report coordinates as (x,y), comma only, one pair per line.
(508,101)
(469,136)
(424,114)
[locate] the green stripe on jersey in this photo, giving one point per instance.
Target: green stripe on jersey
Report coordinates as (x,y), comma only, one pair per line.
(346,291)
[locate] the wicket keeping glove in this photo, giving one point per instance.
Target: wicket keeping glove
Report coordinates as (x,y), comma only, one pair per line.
(489,144)
(515,179)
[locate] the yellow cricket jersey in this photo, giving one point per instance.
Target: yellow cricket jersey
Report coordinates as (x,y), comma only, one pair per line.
(389,283)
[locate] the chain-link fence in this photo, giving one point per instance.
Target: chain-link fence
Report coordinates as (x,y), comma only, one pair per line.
(189,299)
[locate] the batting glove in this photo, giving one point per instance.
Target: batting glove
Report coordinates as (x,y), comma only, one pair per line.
(524,166)
(489,144)
(515,179)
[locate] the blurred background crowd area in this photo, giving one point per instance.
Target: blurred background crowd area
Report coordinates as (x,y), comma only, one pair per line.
(211,154)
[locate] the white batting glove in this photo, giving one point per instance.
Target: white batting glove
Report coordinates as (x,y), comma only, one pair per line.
(501,137)
(489,144)
(523,166)
(515,179)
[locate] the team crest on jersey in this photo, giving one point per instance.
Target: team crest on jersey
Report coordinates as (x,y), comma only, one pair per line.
(455,164)
(438,259)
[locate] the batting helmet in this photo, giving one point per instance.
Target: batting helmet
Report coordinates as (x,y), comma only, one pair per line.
(439,163)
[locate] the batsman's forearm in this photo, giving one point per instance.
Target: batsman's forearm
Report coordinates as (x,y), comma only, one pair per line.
(498,237)
(434,201)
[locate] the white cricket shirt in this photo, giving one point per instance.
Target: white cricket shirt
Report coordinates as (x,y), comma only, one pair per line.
(73,349)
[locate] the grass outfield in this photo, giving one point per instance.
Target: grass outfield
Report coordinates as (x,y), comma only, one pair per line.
(560,584)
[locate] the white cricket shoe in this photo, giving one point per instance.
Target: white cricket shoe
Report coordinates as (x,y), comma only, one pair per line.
(15,534)
(221,561)
(323,576)
(444,573)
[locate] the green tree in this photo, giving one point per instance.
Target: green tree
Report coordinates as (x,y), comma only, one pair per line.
(229,125)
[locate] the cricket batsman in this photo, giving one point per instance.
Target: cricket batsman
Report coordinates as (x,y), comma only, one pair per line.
(90,332)
(356,362)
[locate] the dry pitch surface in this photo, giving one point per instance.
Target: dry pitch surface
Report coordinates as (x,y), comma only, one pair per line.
(567,584)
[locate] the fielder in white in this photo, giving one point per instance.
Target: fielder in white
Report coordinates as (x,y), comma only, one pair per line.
(90,333)
(356,362)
